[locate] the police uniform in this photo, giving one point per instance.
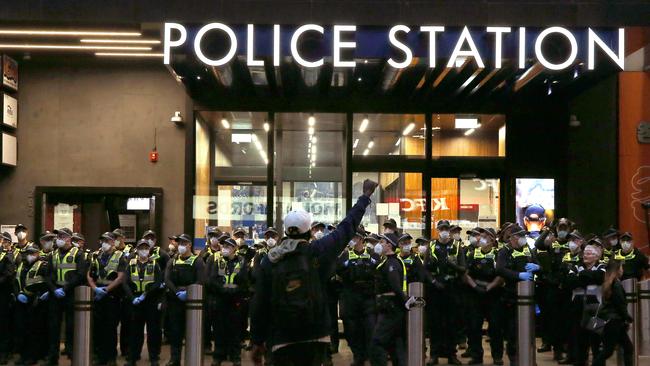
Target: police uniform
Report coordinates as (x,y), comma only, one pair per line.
(33,288)
(180,273)
(356,270)
(208,303)
(105,269)
(7,274)
(228,281)
(635,263)
(510,263)
(142,292)
(389,335)
(68,272)
(483,304)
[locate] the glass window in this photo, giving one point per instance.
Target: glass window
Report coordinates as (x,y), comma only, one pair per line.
(467,203)
(481,135)
(308,165)
(398,197)
(388,134)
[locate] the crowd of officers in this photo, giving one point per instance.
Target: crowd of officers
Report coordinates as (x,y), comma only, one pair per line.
(467,282)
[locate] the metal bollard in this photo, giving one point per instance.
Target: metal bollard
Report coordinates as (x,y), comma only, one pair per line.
(644,317)
(415,324)
(194,326)
(526,323)
(629,286)
(82,318)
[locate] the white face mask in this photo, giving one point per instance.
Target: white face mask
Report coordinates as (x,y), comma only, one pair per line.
(379,249)
(271,243)
(562,234)
(60,243)
(106,247)
(32,258)
(318,235)
(482,242)
(456,236)
(407,248)
(171,247)
(48,245)
(388,231)
(226,252)
(75,244)
(444,235)
(422,249)
(626,245)
(613,242)
(240,241)
(182,249)
(573,246)
(21,235)
(117,243)
(151,242)
(143,253)
(214,241)
(522,241)
(473,240)
(352,243)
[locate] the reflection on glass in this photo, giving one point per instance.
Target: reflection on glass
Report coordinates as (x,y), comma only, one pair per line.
(398,197)
(469,135)
(388,134)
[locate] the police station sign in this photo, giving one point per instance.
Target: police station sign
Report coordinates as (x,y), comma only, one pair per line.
(346,44)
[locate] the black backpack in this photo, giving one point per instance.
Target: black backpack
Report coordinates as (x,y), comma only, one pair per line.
(297,301)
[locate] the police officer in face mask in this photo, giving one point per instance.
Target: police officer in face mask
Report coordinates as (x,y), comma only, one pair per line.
(515,262)
(46,242)
(105,277)
(186,269)
(635,263)
(33,287)
(610,244)
(390,227)
(142,291)
(422,244)
(127,252)
(211,243)
(69,267)
(414,269)
(21,233)
(7,274)
(239,235)
(356,267)
(212,247)
(228,275)
(158,254)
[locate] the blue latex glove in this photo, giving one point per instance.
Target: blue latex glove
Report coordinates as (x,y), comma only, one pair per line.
(182,295)
(162,285)
(100,292)
(346,263)
(59,293)
(526,276)
(22,298)
(45,296)
(141,297)
(532,267)
(137,301)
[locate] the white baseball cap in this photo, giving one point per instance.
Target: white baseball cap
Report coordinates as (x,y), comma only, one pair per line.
(297,222)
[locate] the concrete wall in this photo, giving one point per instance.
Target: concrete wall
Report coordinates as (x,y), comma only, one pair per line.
(93,125)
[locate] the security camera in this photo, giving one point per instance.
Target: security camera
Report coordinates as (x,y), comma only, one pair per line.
(177,118)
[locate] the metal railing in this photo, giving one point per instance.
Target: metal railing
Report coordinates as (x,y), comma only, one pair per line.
(82,318)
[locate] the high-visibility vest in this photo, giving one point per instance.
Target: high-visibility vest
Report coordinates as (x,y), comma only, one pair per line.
(148,277)
(64,265)
(230,278)
(352,255)
(32,277)
(478,254)
(570,258)
(521,253)
(110,268)
(621,257)
(404,286)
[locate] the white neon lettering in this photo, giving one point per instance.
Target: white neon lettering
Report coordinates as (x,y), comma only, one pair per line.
(465,36)
(594,40)
(294,45)
(540,56)
(199,37)
(168,44)
(432,30)
(498,42)
(338,45)
(250,47)
(408,54)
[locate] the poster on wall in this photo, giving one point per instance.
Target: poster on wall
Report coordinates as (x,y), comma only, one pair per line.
(9,111)
(9,150)
(128,224)
(64,216)
(9,72)
(535,203)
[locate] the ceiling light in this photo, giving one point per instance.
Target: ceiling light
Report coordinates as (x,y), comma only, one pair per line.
(63,47)
(310,131)
(371,143)
(470,131)
(52,32)
(267,127)
(398,141)
(466,123)
(314,139)
(356,142)
(123,41)
(225,124)
(198,77)
(311,120)
(365,152)
(408,129)
(124,54)
(364,125)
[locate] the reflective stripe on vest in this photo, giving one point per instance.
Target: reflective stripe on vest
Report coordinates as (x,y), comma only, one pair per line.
(155,253)
(148,278)
(2,256)
(478,254)
(32,277)
(352,255)
(569,258)
(65,265)
(620,257)
(518,253)
(185,262)
(230,278)
(404,285)
(111,267)
(432,249)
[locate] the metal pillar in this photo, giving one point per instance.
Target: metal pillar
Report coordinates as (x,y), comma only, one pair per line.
(194,326)
(415,324)
(526,323)
(629,286)
(644,317)
(82,317)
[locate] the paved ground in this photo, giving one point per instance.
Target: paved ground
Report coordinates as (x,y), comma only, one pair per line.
(344,358)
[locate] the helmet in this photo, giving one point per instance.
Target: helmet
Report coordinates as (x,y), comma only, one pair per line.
(297,222)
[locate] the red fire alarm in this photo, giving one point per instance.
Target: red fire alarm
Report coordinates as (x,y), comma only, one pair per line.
(153,156)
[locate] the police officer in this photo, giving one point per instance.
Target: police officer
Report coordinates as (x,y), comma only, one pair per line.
(333,291)
(228,281)
(69,269)
(21,233)
(7,274)
(126,250)
(390,227)
(635,263)
(157,253)
(142,289)
(504,234)
(566,319)
(515,262)
(46,243)
(485,298)
(239,235)
(105,277)
(172,245)
(33,286)
(422,244)
(446,296)
(356,267)
(211,243)
(389,335)
(185,270)
(414,269)
(211,248)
